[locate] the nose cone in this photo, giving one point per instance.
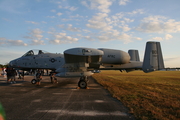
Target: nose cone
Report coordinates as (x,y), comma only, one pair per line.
(13,63)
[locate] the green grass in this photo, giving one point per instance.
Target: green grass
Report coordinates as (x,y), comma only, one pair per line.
(148,96)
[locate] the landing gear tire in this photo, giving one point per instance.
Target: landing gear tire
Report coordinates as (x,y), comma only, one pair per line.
(82,84)
(33,81)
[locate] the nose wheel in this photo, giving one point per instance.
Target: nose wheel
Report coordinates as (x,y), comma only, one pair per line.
(33,81)
(83,82)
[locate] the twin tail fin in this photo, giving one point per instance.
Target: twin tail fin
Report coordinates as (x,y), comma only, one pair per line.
(153,59)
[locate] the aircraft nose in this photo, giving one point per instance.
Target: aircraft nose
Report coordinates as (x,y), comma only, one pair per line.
(11,63)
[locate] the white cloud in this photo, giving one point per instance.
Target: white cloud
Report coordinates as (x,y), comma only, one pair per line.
(108,27)
(44,22)
(65,20)
(156,18)
(51,16)
(88,38)
(77,16)
(8,20)
(62,38)
(2,41)
(71,8)
(127,20)
(7,42)
(35,35)
(37,42)
(32,22)
(69,27)
(53,10)
(114,35)
(151,27)
(104,38)
(125,28)
(98,22)
(60,26)
(86,31)
(59,14)
(14,7)
(55,1)
(101,5)
(119,20)
(38,36)
(158,38)
(123,2)
(99,25)
(125,38)
(137,38)
(99,16)
(160,24)
(123,16)
(168,36)
(137,11)
(59,6)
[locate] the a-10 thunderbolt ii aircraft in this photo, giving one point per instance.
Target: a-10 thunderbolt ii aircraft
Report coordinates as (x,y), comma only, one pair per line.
(80,62)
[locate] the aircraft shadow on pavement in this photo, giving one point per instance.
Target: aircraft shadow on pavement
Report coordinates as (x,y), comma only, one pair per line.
(62,84)
(44,84)
(4,83)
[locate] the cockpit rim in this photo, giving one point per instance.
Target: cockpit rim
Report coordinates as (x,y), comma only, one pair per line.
(34,52)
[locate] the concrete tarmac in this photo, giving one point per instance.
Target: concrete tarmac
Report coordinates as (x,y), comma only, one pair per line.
(62,101)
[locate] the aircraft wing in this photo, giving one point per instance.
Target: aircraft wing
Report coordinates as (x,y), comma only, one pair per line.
(131,66)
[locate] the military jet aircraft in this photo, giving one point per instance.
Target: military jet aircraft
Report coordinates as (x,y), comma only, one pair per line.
(80,62)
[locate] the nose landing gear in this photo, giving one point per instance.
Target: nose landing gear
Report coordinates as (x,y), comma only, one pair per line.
(83,82)
(33,81)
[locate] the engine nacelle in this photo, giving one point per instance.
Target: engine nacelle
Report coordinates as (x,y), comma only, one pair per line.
(112,56)
(86,55)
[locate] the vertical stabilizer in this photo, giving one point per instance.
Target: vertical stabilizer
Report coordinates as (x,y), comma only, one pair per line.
(134,54)
(153,59)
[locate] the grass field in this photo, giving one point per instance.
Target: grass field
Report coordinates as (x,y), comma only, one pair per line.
(148,96)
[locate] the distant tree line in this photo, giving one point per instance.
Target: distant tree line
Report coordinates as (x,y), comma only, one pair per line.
(3,66)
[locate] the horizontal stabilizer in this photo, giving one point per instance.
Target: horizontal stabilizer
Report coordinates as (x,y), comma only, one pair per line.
(153,59)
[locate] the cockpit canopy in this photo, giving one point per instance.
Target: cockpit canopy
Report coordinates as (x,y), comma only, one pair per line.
(34,52)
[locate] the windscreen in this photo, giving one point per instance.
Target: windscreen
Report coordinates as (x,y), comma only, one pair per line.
(34,52)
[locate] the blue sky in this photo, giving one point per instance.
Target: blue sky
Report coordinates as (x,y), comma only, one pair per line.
(57,25)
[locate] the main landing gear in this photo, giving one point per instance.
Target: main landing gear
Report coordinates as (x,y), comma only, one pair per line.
(83,82)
